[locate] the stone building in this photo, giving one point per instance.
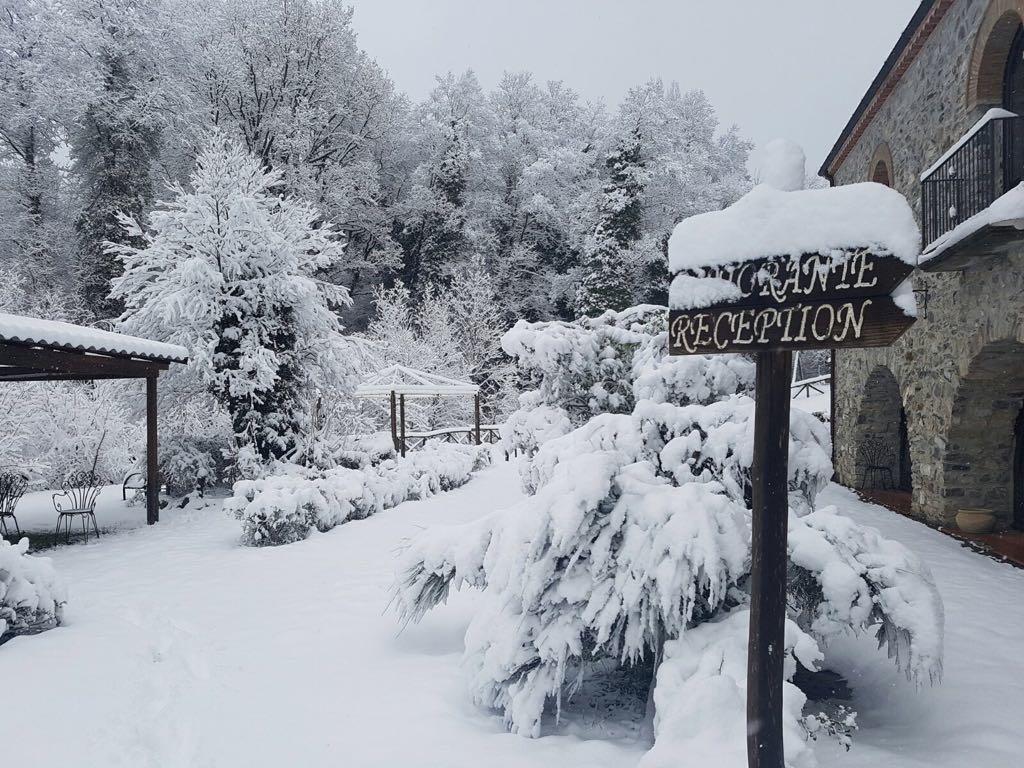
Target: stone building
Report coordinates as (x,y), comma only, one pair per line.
(939,414)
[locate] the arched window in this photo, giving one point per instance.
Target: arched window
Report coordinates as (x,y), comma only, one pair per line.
(880,167)
(994,77)
(880,174)
(1013,77)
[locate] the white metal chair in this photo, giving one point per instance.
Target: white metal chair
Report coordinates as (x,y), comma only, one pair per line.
(80,490)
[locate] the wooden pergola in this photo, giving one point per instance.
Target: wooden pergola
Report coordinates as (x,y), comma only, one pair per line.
(397,382)
(32,349)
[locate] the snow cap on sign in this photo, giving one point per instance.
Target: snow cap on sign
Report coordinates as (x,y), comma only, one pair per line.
(769,222)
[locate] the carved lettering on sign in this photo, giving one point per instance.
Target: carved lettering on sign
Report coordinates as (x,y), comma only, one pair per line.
(784,280)
(870,321)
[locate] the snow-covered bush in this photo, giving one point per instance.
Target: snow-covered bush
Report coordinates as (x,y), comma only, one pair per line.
(637,534)
(286,506)
(32,595)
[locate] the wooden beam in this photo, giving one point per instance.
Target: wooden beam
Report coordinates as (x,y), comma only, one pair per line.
(401,418)
(46,360)
(769,480)
(394,420)
(44,376)
(152,467)
(476,417)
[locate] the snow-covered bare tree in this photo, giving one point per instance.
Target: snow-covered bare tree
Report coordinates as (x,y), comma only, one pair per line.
(229,269)
(45,79)
(289,81)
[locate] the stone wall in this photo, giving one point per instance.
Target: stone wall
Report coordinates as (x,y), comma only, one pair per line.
(948,391)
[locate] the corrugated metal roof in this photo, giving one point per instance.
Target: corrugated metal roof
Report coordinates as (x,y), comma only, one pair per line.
(33,331)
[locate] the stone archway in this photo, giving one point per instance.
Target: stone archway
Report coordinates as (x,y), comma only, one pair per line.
(981,444)
(992,46)
(881,435)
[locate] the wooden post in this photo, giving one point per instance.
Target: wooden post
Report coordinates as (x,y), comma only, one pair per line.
(394,419)
(769,477)
(476,417)
(401,419)
(152,473)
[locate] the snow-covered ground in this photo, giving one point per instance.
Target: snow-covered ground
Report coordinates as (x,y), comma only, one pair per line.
(182,648)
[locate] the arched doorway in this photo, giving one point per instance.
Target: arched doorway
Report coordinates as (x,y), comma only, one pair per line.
(984,461)
(882,442)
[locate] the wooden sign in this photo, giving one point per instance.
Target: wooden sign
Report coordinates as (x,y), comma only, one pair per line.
(817,301)
(813,302)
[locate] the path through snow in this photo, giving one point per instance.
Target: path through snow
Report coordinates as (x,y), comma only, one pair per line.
(184,649)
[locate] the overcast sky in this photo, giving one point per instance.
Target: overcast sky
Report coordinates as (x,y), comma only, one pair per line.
(792,68)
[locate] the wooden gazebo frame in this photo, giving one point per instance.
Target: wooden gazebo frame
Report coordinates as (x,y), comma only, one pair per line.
(33,349)
(397,382)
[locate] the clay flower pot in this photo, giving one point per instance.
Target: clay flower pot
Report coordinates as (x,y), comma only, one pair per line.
(972,520)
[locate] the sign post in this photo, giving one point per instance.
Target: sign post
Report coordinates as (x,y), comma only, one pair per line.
(776,305)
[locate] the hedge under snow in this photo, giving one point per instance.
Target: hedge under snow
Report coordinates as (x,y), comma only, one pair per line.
(286,506)
(32,595)
(635,542)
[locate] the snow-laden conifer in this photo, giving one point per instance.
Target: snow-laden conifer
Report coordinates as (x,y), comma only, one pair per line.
(229,269)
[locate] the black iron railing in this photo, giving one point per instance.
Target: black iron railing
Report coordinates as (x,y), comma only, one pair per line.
(988,162)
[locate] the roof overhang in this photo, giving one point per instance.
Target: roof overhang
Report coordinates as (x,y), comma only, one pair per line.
(927,16)
(33,349)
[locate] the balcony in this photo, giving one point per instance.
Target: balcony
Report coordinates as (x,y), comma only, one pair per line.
(966,214)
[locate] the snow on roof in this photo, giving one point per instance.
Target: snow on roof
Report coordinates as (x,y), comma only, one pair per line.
(19,329)
(1005,211)
(770,222)
(412,383)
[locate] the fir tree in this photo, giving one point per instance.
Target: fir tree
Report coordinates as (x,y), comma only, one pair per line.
(113,149)
(607,282)
(444,240)
(227,269)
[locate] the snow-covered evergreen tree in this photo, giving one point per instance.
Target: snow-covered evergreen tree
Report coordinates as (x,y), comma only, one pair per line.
(606,283)
(115,144)
(229,268)
(440,232)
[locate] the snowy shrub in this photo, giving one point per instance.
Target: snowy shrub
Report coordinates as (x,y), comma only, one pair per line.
(635,545)
(32,595)
(195,444)
(286,506)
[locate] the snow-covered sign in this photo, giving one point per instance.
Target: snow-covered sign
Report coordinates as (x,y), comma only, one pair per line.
(785,269)
(807,269)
